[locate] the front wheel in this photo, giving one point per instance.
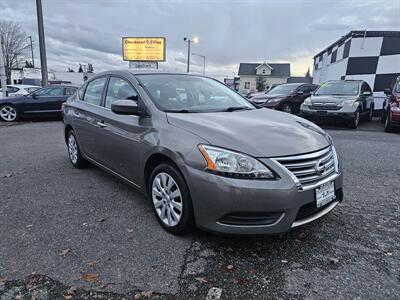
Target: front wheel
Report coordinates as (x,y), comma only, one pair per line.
(388,124)
(287,108)
(370,114)
(8,113)
(171,201)
(355,120)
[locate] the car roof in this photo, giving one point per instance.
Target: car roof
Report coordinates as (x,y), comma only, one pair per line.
(23,86)
(62,85)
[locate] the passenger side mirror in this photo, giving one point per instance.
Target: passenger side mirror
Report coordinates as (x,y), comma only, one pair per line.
(125,107)
(387,91)
(34,96)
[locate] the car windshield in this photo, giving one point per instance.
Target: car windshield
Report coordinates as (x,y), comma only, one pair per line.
(191,94)
(283,89)
(347,88)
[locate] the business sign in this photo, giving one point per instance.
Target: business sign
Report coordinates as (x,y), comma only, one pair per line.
(143,65)
(143,48)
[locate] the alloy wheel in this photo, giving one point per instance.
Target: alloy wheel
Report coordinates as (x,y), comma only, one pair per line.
(286,108)
(72,149)
(8,113)
(167,199)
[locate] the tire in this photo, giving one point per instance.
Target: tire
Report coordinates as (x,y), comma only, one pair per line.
(9,113)
(287,108)
(356,120)
(370,114)
(170,199)
(383,117)
(74,153)
(388,124)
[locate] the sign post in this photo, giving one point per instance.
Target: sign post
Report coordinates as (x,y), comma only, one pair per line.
(143,52)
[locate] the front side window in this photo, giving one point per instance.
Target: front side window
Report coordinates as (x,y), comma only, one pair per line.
(94,91)
(345,88)
(183,93)
(49,91)
(119,89)
(70,91)
(31,89)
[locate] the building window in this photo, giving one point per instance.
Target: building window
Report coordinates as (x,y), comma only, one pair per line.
(247,85)
(263,71)
(333,57)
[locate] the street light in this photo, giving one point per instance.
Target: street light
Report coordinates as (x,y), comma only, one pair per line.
(194,40)
(204,62)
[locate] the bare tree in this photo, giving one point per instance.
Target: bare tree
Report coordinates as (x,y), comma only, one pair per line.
(15,43)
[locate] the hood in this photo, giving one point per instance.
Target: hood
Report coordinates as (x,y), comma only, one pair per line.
(259,132)
(330,99)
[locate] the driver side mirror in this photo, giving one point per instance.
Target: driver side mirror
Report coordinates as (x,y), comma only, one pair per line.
(366,93)
(387,91)
(125,107)
(34,96)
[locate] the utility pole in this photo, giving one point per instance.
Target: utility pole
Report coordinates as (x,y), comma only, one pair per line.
(3,79)
(204,62)
(33,60)
(195,40)
(42,46)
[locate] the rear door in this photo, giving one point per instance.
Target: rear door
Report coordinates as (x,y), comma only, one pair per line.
(85,112)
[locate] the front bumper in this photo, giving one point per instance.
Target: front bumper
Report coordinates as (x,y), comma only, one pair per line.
(252,207)
(327,114)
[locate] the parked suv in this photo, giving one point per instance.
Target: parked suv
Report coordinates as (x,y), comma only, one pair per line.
(202,153)
(347,100)
(285,97)
(391,106)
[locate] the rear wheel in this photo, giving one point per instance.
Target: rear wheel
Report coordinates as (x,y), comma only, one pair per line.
(8,113)
(287,108)
(356,120)
(171,201)
(74,153)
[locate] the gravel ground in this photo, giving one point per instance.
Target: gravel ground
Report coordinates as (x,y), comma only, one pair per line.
(82,234)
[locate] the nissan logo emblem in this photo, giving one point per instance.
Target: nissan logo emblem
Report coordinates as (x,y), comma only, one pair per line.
(320,167)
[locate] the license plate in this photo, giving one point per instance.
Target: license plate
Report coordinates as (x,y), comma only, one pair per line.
(325,193)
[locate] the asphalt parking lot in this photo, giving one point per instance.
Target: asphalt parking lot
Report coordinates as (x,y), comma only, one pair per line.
(82,234)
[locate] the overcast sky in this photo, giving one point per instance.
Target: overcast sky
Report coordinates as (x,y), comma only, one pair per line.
(230,32)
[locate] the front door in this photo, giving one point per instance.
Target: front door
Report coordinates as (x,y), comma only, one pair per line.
(45,100)
(120,145)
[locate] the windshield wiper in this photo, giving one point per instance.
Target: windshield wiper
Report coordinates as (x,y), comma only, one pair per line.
(233,108)
(185,111)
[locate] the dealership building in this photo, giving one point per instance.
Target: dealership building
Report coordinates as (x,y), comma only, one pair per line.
(372,56)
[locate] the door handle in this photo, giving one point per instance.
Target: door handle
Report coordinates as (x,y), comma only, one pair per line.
(101,124)
(76,115)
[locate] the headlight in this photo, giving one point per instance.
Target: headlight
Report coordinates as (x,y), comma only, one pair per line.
(307,101)
(258,101)
(275,99)
(229,163)
(347,102)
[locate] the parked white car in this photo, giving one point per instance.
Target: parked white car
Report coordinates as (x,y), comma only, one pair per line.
(15,90)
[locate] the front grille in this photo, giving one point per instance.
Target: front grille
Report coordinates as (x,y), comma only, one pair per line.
(324,107)
(311,169)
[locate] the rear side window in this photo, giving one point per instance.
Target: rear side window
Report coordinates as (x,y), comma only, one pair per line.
(12,89)
(119,89)
(56,92)
(398,87)
(94,91)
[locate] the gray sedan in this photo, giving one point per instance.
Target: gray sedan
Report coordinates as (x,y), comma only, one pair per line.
(202,153)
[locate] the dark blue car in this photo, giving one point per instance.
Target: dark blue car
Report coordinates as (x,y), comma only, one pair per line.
(42,102)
